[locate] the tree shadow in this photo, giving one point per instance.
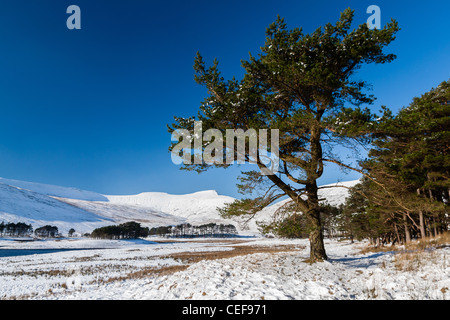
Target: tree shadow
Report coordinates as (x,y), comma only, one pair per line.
(360,261)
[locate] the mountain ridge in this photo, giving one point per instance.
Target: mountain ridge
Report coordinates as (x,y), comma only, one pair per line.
(42,204)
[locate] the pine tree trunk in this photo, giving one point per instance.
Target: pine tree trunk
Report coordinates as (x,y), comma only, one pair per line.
(422,225)
(421,221)
(317,248)
(407,233)
(314,171)
(397,235)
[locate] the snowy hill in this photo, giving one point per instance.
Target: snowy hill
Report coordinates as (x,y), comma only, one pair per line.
(56,191)
(42,204)
(37,209)
(195,207)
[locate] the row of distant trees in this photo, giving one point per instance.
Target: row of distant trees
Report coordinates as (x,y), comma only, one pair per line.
(21,229)
(188,230)
(133,230)
(128,230)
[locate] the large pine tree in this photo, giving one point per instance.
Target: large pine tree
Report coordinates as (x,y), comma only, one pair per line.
(302,85)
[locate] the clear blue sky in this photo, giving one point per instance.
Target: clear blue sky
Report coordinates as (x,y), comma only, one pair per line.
(88,108)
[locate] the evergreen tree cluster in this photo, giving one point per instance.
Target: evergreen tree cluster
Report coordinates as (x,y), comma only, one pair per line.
(128,230)
(21,229)
(405,194)
(405,190)
(47,231)
(189,231)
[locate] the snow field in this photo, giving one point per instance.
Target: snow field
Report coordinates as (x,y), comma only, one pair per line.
(43,275)
(105,274)
(286,275)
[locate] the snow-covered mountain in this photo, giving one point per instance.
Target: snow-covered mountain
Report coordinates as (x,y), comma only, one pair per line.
(56,191)
(41,204)
(18,204)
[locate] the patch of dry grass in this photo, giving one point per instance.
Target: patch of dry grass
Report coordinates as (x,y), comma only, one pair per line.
(372,249)
(416,260)
(416,254)
(146,272)
(188,258)
(419,253)
(441,241)
(193,257)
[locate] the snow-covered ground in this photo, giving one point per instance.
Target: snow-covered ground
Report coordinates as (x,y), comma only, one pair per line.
(145,269)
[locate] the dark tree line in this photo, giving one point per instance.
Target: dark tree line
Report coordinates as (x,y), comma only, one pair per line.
(21,229)
(128,230)
(47,231)
(188,230)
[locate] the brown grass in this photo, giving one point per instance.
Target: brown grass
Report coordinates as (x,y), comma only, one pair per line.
(441,241)
(146,272)
(415,260)
(193,257)
(419,253)
(372,249)
(416,254)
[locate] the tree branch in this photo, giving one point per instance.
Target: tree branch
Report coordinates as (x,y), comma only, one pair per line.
(286,172)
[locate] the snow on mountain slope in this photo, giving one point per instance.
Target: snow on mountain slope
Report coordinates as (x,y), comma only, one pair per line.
(336,195)
(198,207)
(41,204)
(119,213)
(21,205)
(56,191)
